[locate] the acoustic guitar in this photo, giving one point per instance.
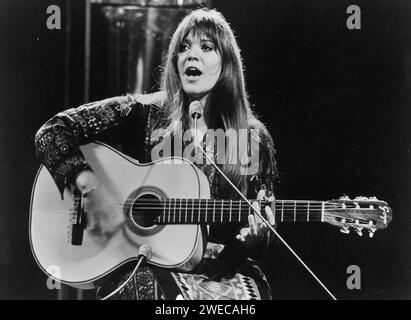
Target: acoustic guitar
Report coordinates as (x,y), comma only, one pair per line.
(166,205)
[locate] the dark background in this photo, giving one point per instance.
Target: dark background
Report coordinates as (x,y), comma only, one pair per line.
(336,101)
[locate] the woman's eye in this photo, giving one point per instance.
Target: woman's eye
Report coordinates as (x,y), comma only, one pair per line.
(184,47)
(207,47)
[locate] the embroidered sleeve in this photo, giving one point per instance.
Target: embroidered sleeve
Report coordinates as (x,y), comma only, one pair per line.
(264,180)
(58,140)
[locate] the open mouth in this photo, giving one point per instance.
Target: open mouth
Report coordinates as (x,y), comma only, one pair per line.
(193,72)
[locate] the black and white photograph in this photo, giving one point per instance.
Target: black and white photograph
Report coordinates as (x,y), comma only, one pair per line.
(208,150)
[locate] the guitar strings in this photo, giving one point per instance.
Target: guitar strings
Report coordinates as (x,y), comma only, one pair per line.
(234,204)
(300,216)
(224,215)
(227,204)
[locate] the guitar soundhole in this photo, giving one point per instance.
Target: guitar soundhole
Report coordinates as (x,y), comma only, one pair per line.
(146,209)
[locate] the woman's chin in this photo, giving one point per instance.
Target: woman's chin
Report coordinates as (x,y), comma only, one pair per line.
(196,95)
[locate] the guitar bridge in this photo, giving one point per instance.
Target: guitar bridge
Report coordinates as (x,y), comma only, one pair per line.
(78,220)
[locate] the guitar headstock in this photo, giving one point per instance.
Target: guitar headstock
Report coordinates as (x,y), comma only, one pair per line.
(361,213)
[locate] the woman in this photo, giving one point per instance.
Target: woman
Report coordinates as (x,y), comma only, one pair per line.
(203,64)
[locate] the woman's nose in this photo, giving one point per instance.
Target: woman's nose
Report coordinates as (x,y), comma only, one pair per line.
(193,54)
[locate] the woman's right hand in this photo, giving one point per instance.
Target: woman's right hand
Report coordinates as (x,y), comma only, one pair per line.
(104,217)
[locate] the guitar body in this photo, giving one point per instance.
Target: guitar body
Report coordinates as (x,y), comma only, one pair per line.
(173,246)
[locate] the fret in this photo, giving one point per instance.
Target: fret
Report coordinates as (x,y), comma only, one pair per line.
(162,219)
(169,210)
(222,206)
(179,212)
(231,207)
(308,211)
(186,210)
(249,210)
(282,210)
(174,215)
(199,206)
(192,212)
(205,220)
(239,212)
(322,211)
(295,211)
(214,211)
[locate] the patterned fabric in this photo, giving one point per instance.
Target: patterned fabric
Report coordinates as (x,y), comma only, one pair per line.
(198,287)
(57,141)
(213,250)
(142,286)
(127,123)
(223,279)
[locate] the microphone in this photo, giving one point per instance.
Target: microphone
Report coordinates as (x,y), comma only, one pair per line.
(196,109)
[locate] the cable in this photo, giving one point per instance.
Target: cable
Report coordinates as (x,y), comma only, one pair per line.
(196,112)
(144,253)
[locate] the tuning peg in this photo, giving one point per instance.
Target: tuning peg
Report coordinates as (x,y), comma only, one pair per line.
(371,230)
(359,231)
(345,230)
(345,198)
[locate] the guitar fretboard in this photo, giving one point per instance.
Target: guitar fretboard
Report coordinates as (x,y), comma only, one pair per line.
(198,211)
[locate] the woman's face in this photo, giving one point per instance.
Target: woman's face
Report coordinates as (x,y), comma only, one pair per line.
(199,65)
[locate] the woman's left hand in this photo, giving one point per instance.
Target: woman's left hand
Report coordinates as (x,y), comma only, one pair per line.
(256,229)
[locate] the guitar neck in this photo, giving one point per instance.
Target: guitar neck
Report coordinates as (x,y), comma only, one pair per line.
(207,211)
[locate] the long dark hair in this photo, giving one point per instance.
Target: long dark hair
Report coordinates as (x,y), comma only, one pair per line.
(229,107)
